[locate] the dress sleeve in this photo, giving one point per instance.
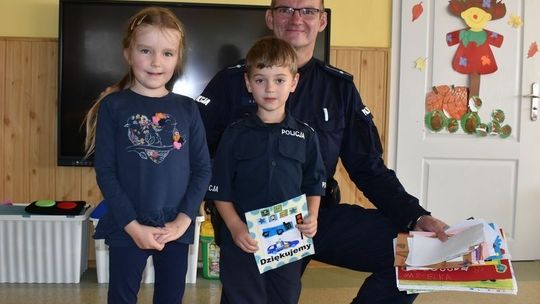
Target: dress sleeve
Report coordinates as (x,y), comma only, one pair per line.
(495,39)
(452,38)
(199,161)
(106,167)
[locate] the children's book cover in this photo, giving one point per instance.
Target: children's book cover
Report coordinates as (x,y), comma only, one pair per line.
(274,229)
(493,270)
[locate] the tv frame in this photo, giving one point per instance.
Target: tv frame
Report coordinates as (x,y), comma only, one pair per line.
(75,160)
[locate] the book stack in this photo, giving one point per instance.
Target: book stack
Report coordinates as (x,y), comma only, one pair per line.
(474,258)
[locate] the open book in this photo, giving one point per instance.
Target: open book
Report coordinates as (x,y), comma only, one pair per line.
(274,229)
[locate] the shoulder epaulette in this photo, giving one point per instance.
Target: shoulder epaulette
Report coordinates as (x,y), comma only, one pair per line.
(337,72)
(237,68)
(235,123)
(240,121)
(304,123)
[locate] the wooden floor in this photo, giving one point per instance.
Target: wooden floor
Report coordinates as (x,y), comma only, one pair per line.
(322,284)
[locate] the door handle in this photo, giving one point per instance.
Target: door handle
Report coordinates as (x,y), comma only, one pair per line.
(535,89)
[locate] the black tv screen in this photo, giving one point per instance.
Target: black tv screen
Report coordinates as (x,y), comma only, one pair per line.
(90,54)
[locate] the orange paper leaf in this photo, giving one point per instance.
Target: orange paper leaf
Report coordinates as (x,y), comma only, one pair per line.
(533,49)
(417,11)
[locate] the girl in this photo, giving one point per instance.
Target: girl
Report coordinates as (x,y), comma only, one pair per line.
(151,161)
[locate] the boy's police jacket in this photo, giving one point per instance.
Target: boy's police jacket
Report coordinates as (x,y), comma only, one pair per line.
(326,99)
(258,165)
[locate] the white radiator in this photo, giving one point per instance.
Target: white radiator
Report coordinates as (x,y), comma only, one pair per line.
(42,248)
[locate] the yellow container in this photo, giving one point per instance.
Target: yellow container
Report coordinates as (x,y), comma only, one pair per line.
(210,252)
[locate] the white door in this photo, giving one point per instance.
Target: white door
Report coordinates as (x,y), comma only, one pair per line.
(459,175)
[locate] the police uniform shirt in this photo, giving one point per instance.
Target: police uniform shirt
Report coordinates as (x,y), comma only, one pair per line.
(327,99)
(258,165)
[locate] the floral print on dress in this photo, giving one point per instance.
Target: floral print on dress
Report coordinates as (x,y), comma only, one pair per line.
(153,138)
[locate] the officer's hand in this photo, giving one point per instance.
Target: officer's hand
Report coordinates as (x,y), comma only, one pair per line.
(431,224)
(241,237)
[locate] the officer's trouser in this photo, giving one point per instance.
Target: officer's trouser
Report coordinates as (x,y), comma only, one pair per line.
(360,239)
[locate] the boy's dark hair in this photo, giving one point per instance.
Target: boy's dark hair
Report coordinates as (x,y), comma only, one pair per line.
(271,51)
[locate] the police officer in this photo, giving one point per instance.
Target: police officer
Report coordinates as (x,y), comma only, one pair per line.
(262,160)
(326,98)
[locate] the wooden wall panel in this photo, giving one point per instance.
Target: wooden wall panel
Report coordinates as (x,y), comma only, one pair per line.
(374,87)
(369,66)
(17,125)
(89,188)
(2,122)
(68,183)
(42,115)
(28,94)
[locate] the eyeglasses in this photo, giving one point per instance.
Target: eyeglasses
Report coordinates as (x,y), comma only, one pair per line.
(305,12)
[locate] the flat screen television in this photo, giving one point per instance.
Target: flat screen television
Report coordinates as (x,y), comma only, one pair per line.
(90,54)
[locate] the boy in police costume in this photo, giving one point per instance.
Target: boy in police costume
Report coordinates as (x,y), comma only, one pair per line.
(326,98)
(262,160)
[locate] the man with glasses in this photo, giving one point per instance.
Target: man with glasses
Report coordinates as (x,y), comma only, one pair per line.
(326,98)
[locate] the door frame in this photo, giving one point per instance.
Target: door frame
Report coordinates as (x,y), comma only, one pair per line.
(393,104)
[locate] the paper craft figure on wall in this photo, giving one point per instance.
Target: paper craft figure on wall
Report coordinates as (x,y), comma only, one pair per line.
(447,108)
(474,55)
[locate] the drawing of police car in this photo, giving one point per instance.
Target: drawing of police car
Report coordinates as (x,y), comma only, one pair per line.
(281,245)
(277,230)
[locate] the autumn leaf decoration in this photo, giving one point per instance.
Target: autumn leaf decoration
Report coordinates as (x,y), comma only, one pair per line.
(533,49)
(417,11)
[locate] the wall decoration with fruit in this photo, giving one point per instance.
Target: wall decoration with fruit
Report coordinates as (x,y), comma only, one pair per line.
(450,107)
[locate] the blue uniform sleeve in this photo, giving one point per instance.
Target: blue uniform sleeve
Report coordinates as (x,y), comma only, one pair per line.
(224,100)
(361,153)
(212,105)
(200,167)
(314,175)
(223,170)
(106,169)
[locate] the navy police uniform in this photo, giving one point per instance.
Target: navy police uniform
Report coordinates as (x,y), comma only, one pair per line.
(258,165)
(348,235)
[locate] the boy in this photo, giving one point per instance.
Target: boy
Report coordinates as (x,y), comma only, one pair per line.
(262,160)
